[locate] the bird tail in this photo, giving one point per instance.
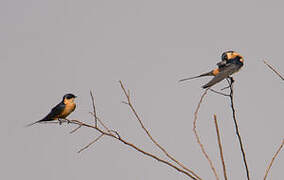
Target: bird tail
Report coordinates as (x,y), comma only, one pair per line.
(201,75)
(35,123)
(206,86)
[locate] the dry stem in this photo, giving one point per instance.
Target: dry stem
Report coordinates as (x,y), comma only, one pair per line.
(198,138)
(94,108)
(273,69)
(272,160)
(220,147)
(76,129)
(237,128)
(90,143)
(129,103)
(105,131)
(118,137)
(230,81)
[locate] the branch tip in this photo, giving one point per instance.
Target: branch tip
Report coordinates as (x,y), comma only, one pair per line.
(220,147)
(272,160)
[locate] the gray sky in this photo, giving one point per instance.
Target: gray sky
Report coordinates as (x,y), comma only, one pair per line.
(49,48)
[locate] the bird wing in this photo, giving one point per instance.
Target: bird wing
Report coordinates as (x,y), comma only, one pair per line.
(221,64)
(55,112)
(224,73)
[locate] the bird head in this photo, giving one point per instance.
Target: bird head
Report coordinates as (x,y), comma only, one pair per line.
(232,55)
(69,97)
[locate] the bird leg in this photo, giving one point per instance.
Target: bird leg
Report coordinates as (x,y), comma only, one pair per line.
(60,121)
(63,120)
(232,80)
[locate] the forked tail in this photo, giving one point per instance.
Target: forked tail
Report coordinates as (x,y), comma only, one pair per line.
(205,74)
(34,123)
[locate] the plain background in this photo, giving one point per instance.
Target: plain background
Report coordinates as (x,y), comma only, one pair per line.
(50,48)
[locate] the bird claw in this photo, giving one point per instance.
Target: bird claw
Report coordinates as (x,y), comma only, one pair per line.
(64,120)
(60,121)
(232,80)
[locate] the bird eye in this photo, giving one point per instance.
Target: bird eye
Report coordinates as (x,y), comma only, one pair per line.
(224,57)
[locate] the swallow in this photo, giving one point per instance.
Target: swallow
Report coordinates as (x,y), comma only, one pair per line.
(231,62)
(61,110)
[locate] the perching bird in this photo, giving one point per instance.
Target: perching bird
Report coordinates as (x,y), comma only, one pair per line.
(231,63)
(61,110)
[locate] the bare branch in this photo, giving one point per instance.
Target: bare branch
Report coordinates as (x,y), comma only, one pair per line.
(74,130)
(272,160)
(91,143)
(106,133)
(220,147)
(217,92)
(129,103)
(94,108)
(273,69)
(237,127)
(99,120)
(114,134)
(198,138)
(118,136)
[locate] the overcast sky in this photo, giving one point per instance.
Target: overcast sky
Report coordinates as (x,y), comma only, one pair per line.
(50,48)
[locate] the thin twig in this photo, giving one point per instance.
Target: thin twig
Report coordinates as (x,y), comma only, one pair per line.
(98,119)
(272,160)
(237,128)
(220,147)
(91,143)
(106,133)
(198,138)
(129,103)
(94,108)
(118,136)
(273,69)
(223,94)
(74,130)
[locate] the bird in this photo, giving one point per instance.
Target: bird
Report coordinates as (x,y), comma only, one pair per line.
(61,110)
(231,62)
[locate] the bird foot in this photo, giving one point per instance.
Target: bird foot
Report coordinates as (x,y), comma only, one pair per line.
(232,80)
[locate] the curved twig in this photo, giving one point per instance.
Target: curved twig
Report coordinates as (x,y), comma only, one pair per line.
(274,70)
(114,136)
(272,160)
(198,138)
(129,103)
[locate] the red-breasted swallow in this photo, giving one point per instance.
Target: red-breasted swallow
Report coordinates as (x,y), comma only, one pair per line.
(230,64)
(61,110)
